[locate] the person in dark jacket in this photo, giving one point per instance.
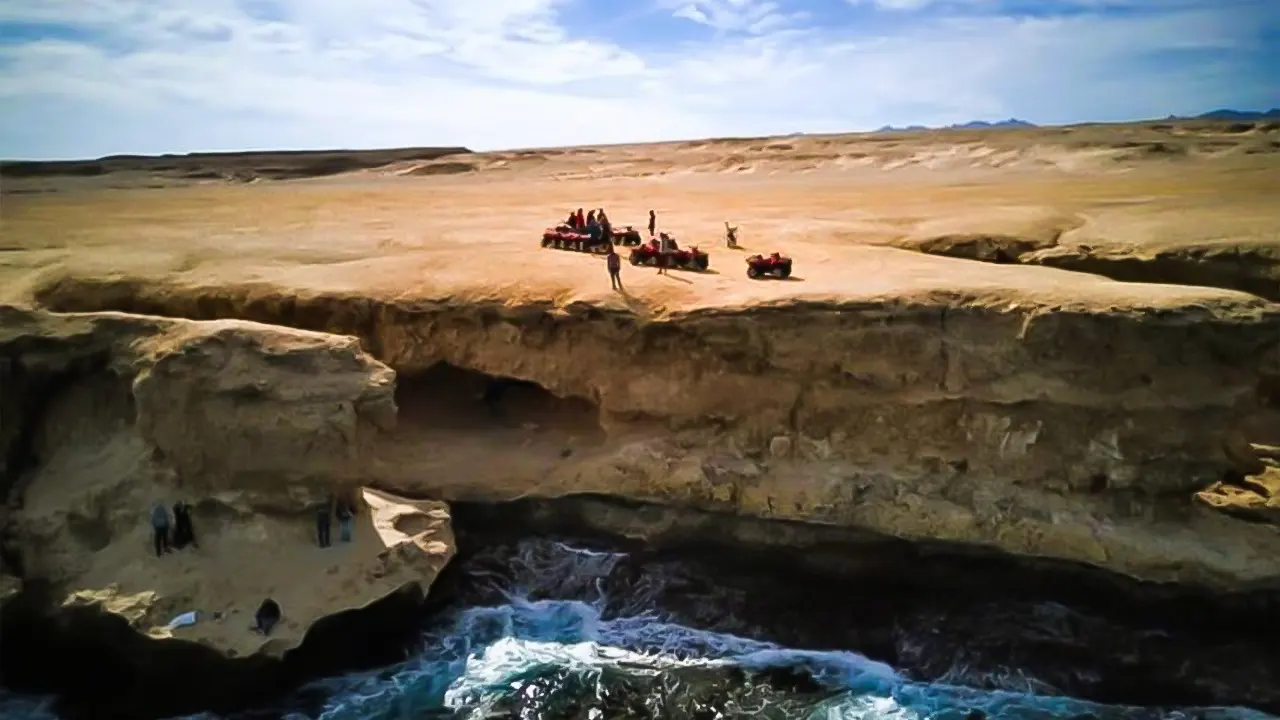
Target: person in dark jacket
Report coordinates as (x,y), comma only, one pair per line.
(606,227)
(653,222)
(160,528)
(184,533)
(267,616)
(614,262)
(593,226)
(324,519)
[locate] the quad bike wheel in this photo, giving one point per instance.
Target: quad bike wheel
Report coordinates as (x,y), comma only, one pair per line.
(635,258)
(784,272)
(546,242)
(702,261)
(753,272)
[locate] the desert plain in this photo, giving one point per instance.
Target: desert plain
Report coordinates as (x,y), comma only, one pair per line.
(841,206)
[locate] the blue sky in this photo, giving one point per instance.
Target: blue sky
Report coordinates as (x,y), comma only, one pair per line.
(82,78)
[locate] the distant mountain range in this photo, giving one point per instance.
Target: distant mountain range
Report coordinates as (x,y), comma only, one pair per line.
(1235,115)
(1224,114)
(975,125)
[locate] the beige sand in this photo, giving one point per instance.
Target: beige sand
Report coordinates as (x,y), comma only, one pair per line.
(395,232)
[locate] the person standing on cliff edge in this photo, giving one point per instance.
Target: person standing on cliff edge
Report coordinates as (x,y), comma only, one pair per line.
(160,528)
(614,263)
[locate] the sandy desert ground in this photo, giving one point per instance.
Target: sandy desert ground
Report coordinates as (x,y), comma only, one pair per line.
(841,206)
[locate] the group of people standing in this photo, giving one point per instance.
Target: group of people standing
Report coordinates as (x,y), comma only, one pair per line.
(172,533)
(344,510)
(176,531)
(595,223)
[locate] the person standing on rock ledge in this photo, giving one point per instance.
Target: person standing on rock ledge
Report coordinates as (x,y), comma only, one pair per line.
(345,513)
(184,532)
(324,515)
(160,528)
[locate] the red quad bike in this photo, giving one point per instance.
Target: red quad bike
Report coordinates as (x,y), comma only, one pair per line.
(774,264)
(690,259)
(628,237)
(563,237)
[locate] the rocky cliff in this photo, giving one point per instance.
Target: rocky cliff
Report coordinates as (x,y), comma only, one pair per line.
(1090,421)
(1019,420)
(105,414)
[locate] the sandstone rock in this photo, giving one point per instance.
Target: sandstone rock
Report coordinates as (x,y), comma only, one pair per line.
(1256,497)
(1265,452)
(252,425)
(1241,502)
(1035,415)
(815,449)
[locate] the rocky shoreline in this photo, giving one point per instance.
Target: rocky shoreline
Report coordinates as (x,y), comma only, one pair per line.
(100,667)
(809,586)
(1095,634)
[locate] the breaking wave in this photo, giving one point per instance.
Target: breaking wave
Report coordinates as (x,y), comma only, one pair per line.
(545,631)
(576,653)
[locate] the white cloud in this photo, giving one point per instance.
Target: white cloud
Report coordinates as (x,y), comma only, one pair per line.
(750,16)
(901,4)
(163,75)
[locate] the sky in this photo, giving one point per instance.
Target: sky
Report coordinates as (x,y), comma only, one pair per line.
(86,78)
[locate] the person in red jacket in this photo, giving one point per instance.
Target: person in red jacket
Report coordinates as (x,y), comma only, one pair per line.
(582,221)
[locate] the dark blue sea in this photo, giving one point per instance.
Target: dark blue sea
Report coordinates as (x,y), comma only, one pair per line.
(552,644)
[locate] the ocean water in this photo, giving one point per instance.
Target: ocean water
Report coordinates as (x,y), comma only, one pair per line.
(543,635)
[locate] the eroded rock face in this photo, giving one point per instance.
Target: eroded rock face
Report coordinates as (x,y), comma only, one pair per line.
(1078,431)
(1073,433)
(1070,432)
(253,426)
(1252,267)
(1252,497)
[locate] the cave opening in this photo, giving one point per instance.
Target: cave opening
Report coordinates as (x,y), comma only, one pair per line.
(452,399)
